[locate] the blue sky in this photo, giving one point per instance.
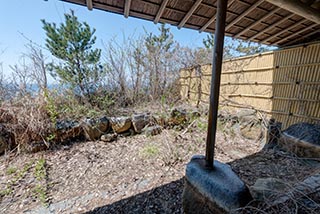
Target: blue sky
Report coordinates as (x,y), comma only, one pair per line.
(23,17)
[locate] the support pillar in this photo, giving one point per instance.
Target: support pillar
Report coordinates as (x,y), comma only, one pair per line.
(211,186)
(215,79)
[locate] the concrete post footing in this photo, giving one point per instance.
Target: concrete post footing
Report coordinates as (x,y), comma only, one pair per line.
(208,190)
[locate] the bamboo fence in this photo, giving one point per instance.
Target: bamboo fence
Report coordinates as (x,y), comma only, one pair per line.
(284,84)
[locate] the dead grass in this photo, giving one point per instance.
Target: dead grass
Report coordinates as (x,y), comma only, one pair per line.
(27,119)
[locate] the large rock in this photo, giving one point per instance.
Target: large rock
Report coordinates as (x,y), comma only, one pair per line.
(161,120)
(304,132)
(303,139)
(247,116)
(68,130)
(266,188)
(194,114)
(139,121)
(153,130)
(120,124)
(37,146)
(109,137)
(94,128)
(301,190)
(7,140)
(177,117)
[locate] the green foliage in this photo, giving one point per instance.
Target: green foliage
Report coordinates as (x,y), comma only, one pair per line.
(40,193)
(40,174)
(203,126)
(50,137)
(18,175)
(162,42)
(24,171)
(40,170)
(7,191)
(209,41)
(160,50)
(51,107)
(72,44)
(150,151)
(11,170)
(249,48)
(235,47)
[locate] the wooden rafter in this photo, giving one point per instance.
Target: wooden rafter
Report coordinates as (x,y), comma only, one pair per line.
(251,8)
(301,38)
(271,26)
(258,21)
(284,30)
(127,8)
(160,11)
(252,20)
(295,34)
(189,14)
(89,4)
(213,18)
(299,8)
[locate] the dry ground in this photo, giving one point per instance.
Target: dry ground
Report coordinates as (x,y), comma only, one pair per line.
(136,174)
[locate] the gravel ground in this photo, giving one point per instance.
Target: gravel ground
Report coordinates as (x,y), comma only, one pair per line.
(136,174)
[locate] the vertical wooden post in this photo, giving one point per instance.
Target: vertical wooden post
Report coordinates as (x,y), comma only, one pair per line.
(273,134)
(215,79)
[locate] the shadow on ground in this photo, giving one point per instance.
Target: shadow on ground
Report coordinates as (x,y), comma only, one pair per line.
(165,199)
(168,198)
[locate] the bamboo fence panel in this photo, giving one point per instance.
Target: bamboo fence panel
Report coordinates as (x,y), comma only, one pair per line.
(284,84)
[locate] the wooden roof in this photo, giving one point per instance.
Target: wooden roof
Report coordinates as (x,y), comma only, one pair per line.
(254,20)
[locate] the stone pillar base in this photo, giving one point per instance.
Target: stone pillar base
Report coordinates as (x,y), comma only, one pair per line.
(217,190)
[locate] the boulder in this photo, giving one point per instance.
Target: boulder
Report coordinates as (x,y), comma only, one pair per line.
(177,116)
(251,132)
(161,120)
(302,139)
(247,115)
(120,124)
(103,124)
(67,130)
(153,130)
(304,132)
(301,191)
(36,146)
(7,140)
(266,188)
(94,128)
(139,121)
(109,137)
(195,114)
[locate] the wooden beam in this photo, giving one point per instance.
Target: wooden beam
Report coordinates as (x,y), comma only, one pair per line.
(89,4)
(215,80)
(189,14)
(213,18)
(271,26)
(246,12)
(160,11)
(284,30)
(301,38)
(127,8)
(299,8)
(258,21)
(296,33)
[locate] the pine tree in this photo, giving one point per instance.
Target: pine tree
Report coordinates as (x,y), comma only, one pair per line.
(72,44)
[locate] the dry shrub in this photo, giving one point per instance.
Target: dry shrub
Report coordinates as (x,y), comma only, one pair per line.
(27,118)
(69,106)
